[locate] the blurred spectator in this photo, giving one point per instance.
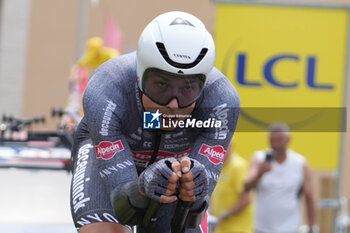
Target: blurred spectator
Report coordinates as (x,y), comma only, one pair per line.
(96,53)
(280,176)
(229,203)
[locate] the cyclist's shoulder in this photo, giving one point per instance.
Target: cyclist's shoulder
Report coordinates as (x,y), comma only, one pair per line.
(121,69)
(215,77)
(117,75)
(123,61)
(219,90)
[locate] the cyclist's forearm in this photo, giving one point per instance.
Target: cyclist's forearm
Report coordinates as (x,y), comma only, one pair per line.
(131,190)
(128,202)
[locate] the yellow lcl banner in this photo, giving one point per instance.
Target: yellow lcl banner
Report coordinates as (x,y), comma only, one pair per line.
(291,60)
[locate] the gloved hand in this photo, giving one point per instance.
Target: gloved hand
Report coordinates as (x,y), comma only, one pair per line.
(159,181)
(194,183)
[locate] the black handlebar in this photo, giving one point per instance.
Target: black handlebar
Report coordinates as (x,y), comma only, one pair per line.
(17,124)
(178,223)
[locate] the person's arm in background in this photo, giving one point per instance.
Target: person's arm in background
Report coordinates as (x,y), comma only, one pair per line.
(236,173)
(255,172)
(243,201)
(309,198)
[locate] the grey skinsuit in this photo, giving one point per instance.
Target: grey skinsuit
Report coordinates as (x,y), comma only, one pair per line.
(112,147)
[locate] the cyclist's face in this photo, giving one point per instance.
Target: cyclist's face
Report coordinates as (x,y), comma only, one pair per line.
(171,109)
(162,87)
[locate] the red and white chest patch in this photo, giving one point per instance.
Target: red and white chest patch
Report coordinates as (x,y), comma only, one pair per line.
(215,154)
(106,150)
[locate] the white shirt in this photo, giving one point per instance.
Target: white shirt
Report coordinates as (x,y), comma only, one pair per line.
(277,202)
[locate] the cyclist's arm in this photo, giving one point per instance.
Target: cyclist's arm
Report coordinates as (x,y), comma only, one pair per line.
(204,151)
(222,103)
(104,105)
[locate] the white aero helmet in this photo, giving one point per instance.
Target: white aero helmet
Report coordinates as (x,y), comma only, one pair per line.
(175,42)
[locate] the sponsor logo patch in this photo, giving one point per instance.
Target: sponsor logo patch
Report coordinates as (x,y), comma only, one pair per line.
(216,154)
(106,150)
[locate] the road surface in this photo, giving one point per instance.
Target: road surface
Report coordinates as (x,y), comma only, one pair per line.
(35,201)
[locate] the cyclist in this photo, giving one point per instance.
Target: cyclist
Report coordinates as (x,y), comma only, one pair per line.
(118,164)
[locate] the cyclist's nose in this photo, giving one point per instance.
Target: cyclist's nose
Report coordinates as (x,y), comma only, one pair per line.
(173,103)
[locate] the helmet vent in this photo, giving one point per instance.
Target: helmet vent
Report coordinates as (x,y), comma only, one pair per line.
(181,21)
(166,57)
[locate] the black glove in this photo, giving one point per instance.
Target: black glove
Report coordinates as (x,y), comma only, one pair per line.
(154,180)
